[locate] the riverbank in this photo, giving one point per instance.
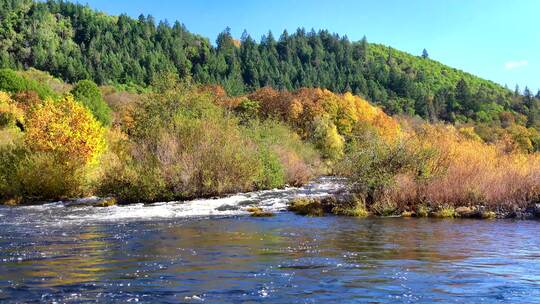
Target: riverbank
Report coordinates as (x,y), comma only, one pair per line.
(344,203)
(182,140)
(321,196)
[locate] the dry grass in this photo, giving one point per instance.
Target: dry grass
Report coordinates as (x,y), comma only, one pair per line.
(475,173)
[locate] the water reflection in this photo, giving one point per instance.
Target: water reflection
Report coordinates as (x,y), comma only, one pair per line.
(60,260)
(284,259)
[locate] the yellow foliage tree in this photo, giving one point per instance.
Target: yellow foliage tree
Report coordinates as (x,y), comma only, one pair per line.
(9,111)
(521,137)
(66,129)
(386,126)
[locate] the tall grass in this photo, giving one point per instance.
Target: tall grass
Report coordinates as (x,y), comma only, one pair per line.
(440,167)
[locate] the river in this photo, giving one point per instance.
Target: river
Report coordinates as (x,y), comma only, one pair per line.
(212,251)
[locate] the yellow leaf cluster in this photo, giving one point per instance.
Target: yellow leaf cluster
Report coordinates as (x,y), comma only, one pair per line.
(9,109)
(306,106)
(65,128)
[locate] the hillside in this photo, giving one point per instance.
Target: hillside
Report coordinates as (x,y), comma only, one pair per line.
(75,42)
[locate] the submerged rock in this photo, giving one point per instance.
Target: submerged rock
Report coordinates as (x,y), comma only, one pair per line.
(227,208)
(11,202)
(536,209)
(488,215)
(338,204)
(258,212)
(93,202)
(465,212)
(306,206)
(407,214)
(106,202)
(523,214)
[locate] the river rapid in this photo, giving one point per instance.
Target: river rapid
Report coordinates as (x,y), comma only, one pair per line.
(212,251)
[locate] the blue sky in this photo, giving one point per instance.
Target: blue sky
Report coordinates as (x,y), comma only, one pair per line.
(495,39)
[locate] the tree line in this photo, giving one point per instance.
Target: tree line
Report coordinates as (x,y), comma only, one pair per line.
(74,42)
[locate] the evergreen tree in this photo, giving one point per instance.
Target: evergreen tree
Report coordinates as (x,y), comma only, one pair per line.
(527,98)
(532,107)
(364,49)
(75,43)
(464,97)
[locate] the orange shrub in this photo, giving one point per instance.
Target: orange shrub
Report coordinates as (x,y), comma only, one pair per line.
(325,118)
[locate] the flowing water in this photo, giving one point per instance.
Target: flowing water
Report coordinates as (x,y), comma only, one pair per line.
(211,251)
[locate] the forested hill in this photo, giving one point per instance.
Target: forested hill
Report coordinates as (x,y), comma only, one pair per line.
(75,42)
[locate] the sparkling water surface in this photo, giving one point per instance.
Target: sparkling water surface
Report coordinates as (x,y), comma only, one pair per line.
(211,251)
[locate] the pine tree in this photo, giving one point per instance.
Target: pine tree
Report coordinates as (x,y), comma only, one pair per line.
(464,97)
(531,103)
(364,49)
(527,98)
(75,43)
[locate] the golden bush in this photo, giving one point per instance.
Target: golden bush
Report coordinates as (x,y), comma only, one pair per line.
(65,128)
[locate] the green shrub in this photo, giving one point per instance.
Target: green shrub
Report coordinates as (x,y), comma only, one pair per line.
(372,164)
(133,183)
(445,212)
(58,86)
(54,155)
(247,110)
(285,157)
(10,113)
(11,82)
(384,207)
(41,176)
(182,145)
(422,211)
(272,174)
(326,138)
(9,136)
(357,208)
(10,156)
(88,93)
(38,176)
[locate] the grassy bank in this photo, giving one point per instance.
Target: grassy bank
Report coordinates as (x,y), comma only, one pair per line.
(350,205)
(439,167)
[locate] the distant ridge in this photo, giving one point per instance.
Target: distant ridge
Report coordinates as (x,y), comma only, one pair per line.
(75,42)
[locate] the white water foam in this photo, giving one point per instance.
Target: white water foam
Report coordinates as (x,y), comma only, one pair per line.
(274,200)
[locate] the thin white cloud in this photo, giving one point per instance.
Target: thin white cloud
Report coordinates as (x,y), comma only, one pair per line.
(510,65)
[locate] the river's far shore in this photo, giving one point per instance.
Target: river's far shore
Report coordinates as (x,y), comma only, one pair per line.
(345,203)
(336,199)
